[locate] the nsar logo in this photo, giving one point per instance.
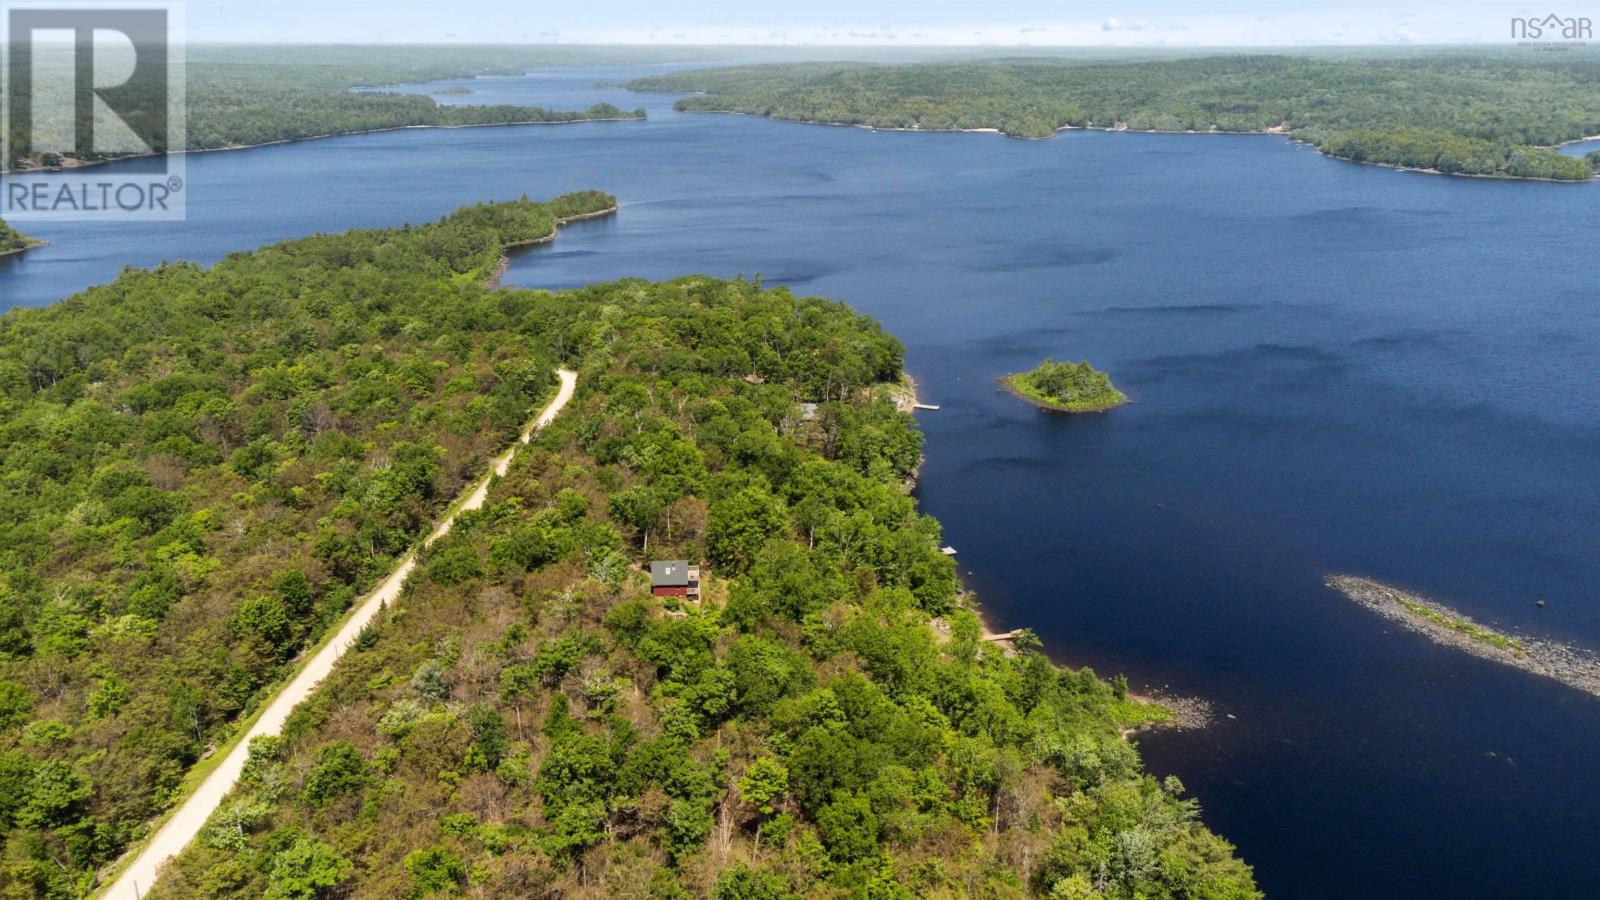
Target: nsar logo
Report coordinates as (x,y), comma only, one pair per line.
(1552,32)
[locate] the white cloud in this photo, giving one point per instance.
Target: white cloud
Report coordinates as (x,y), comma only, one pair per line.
(1115,24)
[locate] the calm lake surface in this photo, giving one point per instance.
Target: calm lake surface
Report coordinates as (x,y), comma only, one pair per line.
(1334,368)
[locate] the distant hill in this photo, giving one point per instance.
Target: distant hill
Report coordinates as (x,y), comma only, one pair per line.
(1482,114)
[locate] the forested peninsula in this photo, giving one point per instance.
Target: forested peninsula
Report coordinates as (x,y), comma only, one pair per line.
(14,241)
(204,467)
(1494,115)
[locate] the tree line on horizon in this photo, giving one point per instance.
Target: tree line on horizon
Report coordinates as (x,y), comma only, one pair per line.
(1489,114)
(244,98)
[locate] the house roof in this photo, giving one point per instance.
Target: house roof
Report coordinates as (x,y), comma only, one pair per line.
(669,573)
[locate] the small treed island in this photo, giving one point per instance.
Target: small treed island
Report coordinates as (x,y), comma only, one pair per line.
(205,467)
(1484,114)
(1066,387)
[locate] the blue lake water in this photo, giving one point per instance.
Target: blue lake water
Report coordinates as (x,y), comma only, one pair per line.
(1333,367)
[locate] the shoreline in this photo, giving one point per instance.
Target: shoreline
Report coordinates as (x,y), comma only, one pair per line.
(493,281)
(188,151)
(1184,713)
(1582,140)
(1396,167)
(1274,131)
(904,395)
(1574,667)
(20,250)
(905,399)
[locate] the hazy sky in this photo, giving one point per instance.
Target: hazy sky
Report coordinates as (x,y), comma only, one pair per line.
(1155,23)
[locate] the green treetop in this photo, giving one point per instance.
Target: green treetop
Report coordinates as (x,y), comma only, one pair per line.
(12,240)
(1066,386)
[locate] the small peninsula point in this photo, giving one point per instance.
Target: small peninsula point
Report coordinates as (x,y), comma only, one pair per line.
(1572,666)
(14,241)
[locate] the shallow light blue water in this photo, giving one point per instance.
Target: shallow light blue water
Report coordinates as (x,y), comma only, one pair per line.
(1334,368)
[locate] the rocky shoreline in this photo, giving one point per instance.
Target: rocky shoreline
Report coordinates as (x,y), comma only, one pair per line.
(1572,666)
(1185,713)
(1188,713)
(904,397)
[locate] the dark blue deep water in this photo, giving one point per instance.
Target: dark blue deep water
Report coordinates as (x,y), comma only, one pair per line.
(1333,368)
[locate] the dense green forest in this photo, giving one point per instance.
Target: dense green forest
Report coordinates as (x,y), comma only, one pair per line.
(203,468)
(12,240)
(1066,386)
(200,470)
(233,105)
(1491,114)
(240,97)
